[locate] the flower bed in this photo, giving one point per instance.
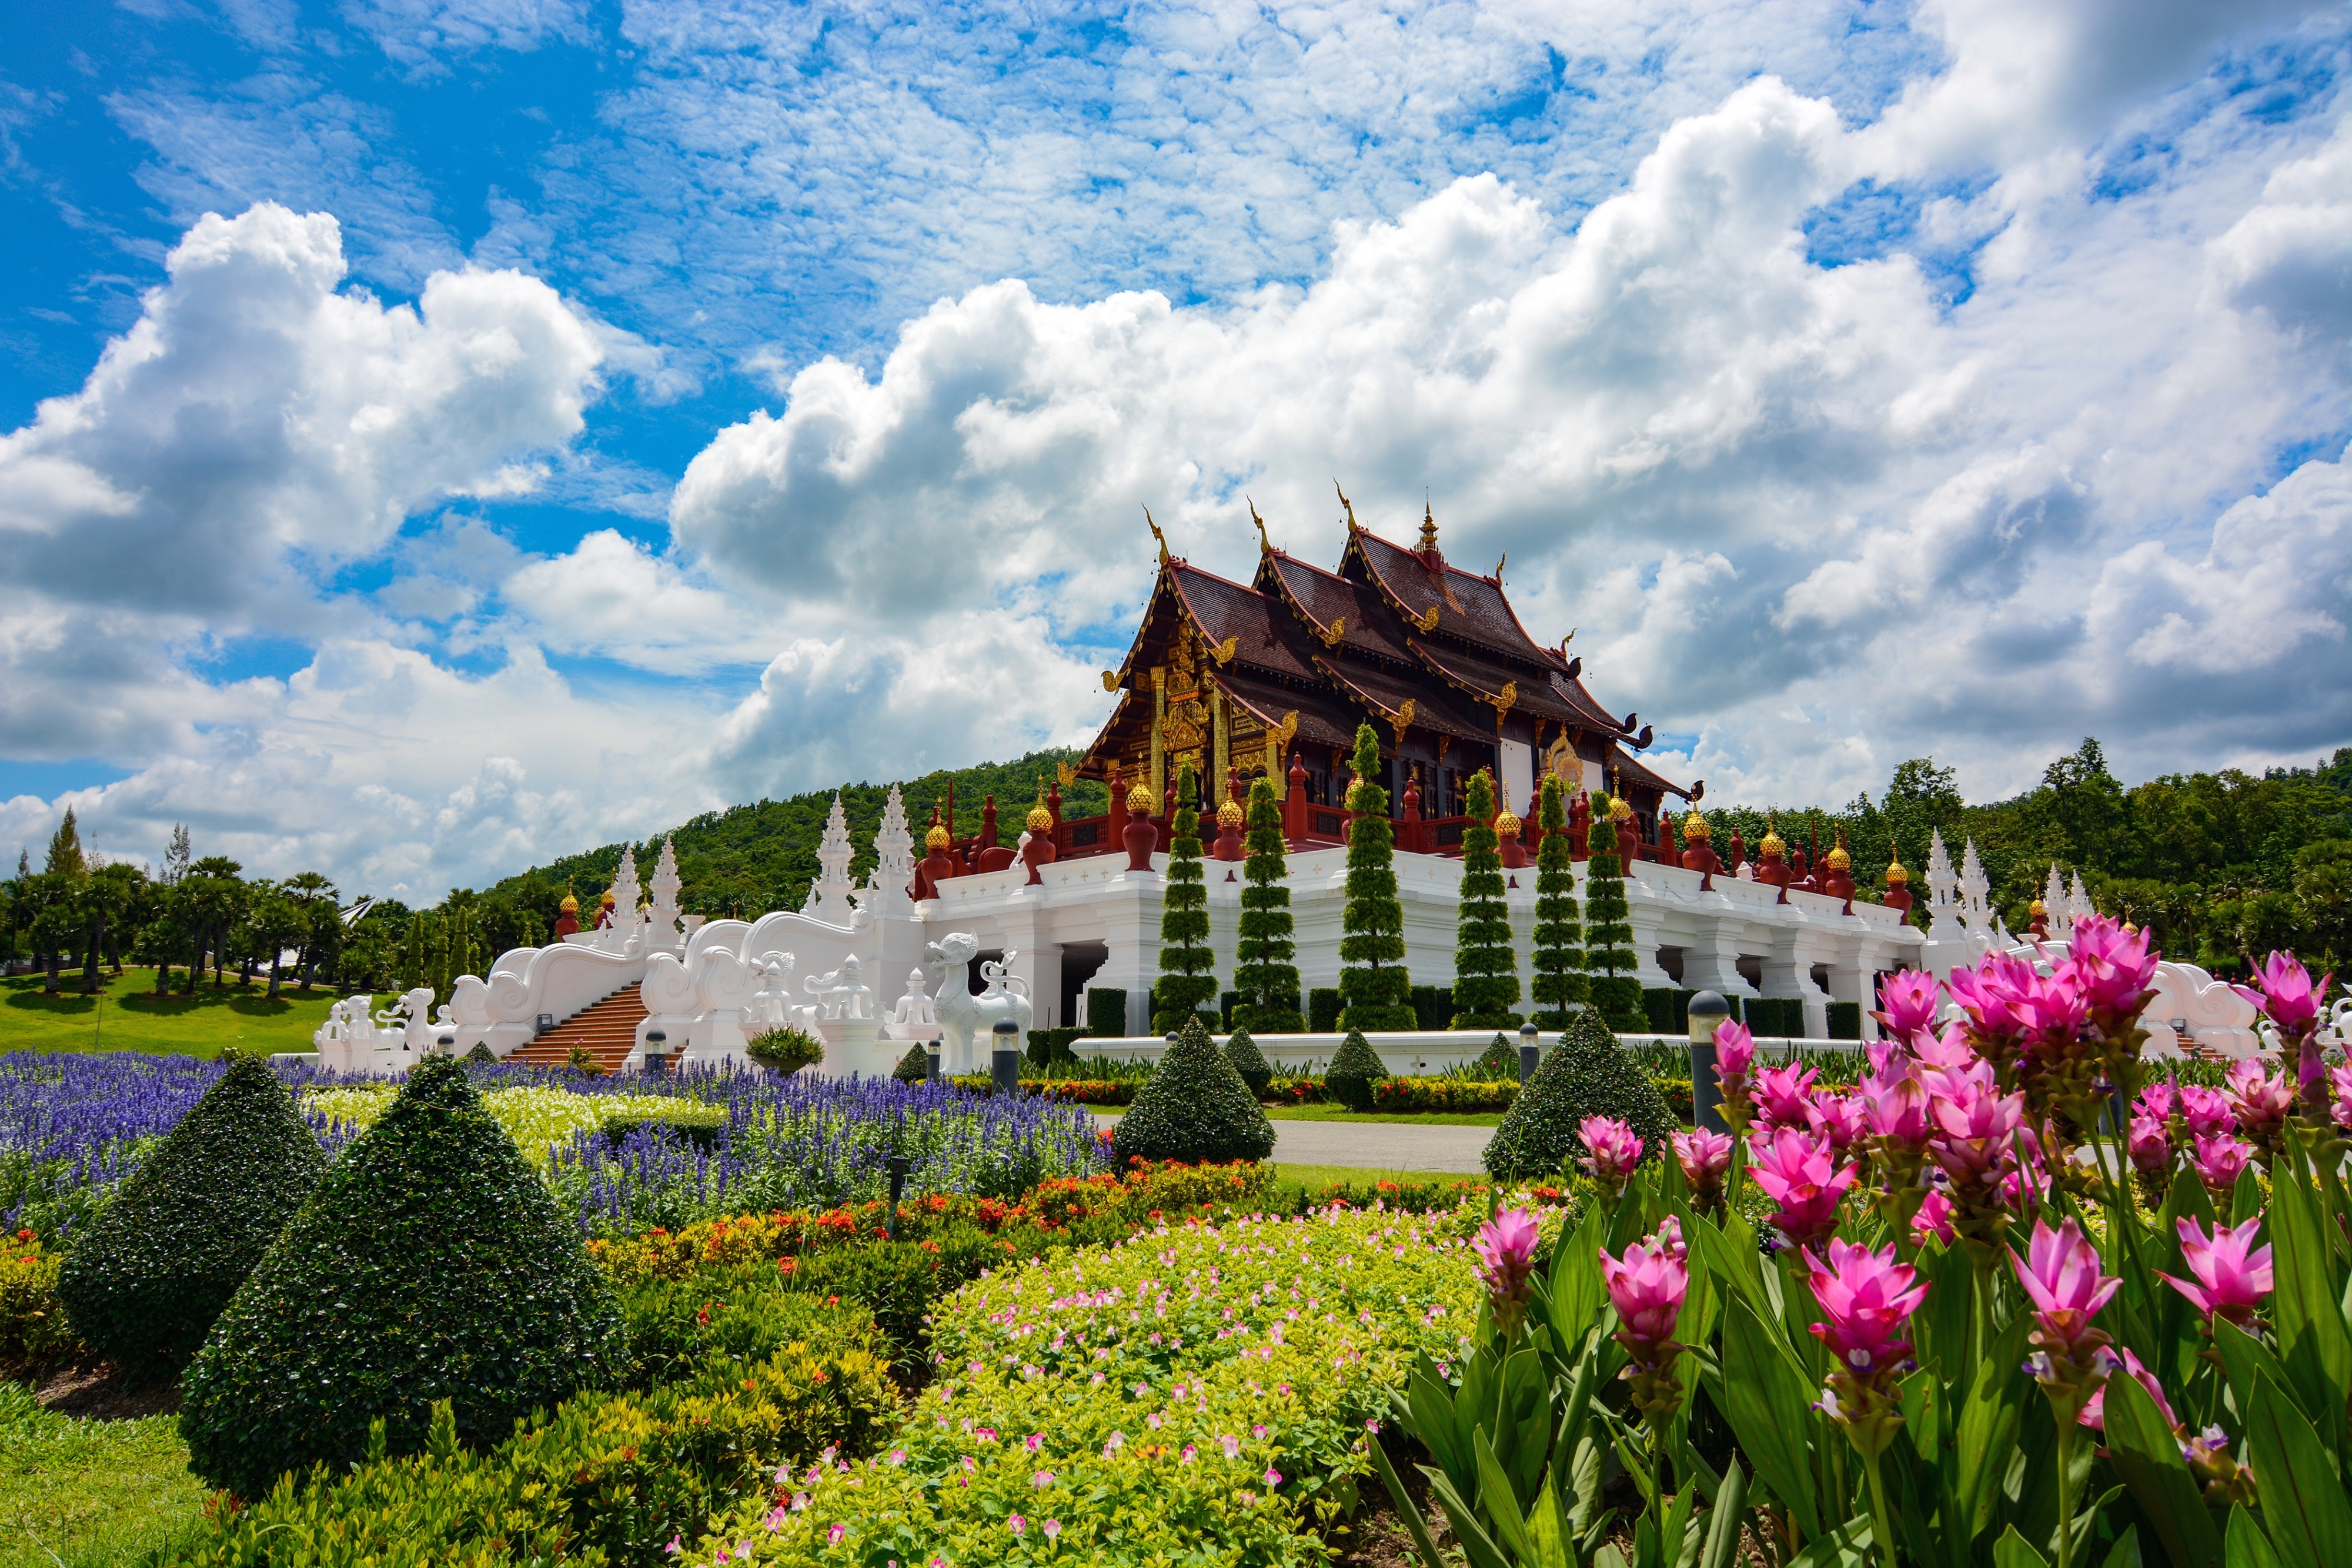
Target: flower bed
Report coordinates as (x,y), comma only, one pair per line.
(1197,1392)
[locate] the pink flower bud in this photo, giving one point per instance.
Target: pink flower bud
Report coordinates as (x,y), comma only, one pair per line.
(1505,1248)
(1782,1094)
(1612,1151)
(1934,1218)
(1866,1299)
(2151,1146)
(1647,1286)
(1705,1156)
(2112,968)
(2287,993)
(2220,1161)
(2261,1102)
(1734,1053)
(1799,1173)
(1908,1001)
(1838,1116)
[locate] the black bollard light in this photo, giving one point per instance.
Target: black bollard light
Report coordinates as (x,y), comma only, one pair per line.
(1707,1010)
(931,1063)
(656,1052)
(449,1044)
(1531,1053)
(899,1166)
(1004,1061)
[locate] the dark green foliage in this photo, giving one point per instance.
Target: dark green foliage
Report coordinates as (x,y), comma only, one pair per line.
(481,1052)
(1107,1012)
(1780,1017)
(142,1285)
(1050,1048)
(1265,971)
(785,1050)
(1845,1020)
(432,1263)
(1249,1062)
(686,1121)
(1559,963)
(1585,1075)
(915,1066)
(1195,1108)
(1322,1010)
(1433,1006)
(1374,981)
(1355,1067)
(1186,983)
(747,1312)
(1499,1062)
(1608,927)
(1658,1007)
(1486,969)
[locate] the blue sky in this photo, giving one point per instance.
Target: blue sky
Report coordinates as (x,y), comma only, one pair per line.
(443,432)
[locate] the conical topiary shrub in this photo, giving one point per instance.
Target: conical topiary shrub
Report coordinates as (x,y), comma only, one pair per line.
(1586,1075)
(144,1284)
(1499,1062)
(1265,963)
(1355,1067)
(432,1263)
(1195,1108)
(914,1067)
(1187,980)
(1485,966)
(1249,1062)
(1559,979)
(1373,980)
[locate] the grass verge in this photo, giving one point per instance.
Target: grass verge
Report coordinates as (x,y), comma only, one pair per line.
(1400,1118)
(127,1015)
(85,1493)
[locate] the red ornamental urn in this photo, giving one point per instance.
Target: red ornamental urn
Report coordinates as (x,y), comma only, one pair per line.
(1139,836)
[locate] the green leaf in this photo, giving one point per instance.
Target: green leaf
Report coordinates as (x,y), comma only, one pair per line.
(1730,1260)
(1407,1510)
(2248,1547)
(2313,1340)
(1989,1422)
(2014,1550)
(1578,1291)
(1500,1503)
(1722,1543)
(2246,1358)
(1765,1398)
(2310,1523)
(1847,1546)
(2246,1197)
(1463,1518)
(2144,1454)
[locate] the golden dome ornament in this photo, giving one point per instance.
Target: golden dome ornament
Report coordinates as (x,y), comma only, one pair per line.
(1040,821)
(1620,809)
(1772,846)
(1506,821)
(570,905)
(1140,799)
(938,837)
(1896,875)
(1838,860)
(1695,827)
(1231,815)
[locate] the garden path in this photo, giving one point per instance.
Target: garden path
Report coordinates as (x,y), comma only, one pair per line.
(1374,1145)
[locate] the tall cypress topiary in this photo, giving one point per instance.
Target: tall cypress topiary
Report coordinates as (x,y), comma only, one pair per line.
(142,1285)
(1558,965)
(1264,971)
(1609,930)
(1374,981)
(1187,981)
(1485,970)
(432,1263)
(1586,1075)
(1194,1107)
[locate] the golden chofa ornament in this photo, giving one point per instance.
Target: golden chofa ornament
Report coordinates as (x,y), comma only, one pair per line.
(1838,860)
(570,905)
(1040,819)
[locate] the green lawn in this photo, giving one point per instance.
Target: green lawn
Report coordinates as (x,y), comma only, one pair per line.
(88,1492)
(126,1015)
(1312,1177)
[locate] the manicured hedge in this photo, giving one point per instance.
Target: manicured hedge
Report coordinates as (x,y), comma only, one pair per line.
(431,1264)
(915,1066)
(1107,1012)
(1323,1008)
(1433,1006)
(1048,1046)
(1194,1107)
(1249,1062)
(144,1284)
(1845,1020)
(1586,1075)
(1354,1068)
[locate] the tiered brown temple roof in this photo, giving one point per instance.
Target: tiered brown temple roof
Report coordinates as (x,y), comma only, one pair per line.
(1243,677)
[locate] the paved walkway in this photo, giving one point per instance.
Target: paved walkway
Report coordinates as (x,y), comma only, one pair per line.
(1375,1145)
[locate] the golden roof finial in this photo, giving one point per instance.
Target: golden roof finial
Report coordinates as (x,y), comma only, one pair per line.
(1346,503)
(571,904)
(1428,528)
(1157,535)
(1230,814)
(1265,545)
(1498,566)
(938,837)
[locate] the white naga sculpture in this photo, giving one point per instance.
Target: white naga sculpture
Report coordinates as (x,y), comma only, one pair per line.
(964,1018)
(844,990)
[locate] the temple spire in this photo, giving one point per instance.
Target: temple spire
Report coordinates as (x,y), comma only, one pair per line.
(1428,533)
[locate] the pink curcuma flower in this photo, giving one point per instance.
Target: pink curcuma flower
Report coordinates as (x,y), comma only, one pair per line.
(2207,1112)
(1976,1129)
(2261,1103)
(1613,1151)
(1783,1093)
(2111,968)
(2234,1275)
(1705,1156)
(1934,1218)
(2060,1275)
(1992,995)
(1735,1058)
(2283,990)
(1505,1248)
(1865,1298)
(2155,1102)
(2339,1081)
(2219,1162)
(1839,1116)
(2095,1412)
(1799,1173)
(2151,1146)
(1647,1286)
(1907,1003)
(1895,1110)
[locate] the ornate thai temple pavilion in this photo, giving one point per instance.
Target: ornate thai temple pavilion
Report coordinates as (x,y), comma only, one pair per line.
(1242,679)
